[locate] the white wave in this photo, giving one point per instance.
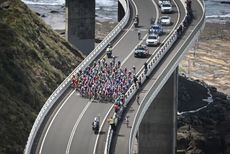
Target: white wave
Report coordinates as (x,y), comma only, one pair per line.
(218,16)
(209,100)
(43,2)
(105,2)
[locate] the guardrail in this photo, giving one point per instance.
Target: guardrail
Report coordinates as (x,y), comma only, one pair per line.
(142,109)
(66,83)
(153,61)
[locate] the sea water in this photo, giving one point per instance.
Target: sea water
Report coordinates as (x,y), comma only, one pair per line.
(107,10)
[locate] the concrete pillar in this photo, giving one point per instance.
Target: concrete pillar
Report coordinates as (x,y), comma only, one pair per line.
(80,24)
(157,132)
(121,12)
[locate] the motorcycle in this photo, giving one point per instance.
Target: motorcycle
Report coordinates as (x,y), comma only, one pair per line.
(136,22)
(109,51)
(95,125)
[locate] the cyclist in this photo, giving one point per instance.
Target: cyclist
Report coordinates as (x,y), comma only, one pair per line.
(139,34)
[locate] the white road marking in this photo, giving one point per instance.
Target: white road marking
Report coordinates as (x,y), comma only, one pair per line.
(157,16)
(82,113)
(75,127)
(102,124)
(43,141)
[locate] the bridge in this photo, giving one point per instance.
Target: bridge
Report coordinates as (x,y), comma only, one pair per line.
(64,123)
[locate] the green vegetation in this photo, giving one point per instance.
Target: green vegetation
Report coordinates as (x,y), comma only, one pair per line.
(33,61)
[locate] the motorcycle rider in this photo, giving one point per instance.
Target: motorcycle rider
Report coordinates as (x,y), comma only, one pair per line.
(109,50)
(139,35)
(95,123)
(136,21)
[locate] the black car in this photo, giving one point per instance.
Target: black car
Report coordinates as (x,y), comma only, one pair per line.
(141,51)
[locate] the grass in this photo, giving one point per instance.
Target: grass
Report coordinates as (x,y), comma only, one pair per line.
(33,61)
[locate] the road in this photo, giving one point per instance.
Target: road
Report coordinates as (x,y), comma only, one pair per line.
(167,65)
(68,129)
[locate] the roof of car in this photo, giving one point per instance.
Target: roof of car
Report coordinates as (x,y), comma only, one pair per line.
(164,17)
(153,34)
(166,2)
(156,25)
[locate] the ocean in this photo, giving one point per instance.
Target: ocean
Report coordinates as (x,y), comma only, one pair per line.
(106,10)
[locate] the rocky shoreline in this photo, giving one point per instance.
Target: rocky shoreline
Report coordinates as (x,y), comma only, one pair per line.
(205,131)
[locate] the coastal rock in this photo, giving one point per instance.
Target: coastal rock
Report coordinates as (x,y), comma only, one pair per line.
(205,131)
(5,5)
(54,11)
(37,13)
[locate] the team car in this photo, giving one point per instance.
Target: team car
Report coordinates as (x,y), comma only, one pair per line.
(153,40)
(141,51)
(162,1)
(165,20)
(156,28)
(166,7)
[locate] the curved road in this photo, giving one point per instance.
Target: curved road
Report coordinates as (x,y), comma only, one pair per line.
(121,139)
(166,66)
(68,130)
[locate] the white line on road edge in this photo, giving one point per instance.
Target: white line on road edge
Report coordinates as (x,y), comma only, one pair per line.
(102,124)
(40,151)
(75,127)
(155,79)
(157,16)
(127,30)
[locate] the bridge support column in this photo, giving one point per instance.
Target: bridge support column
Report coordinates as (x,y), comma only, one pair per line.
(157,132)
(80,24)
(121,12)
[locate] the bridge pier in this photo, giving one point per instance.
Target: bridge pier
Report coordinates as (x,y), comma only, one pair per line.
(121,12)
(157,132)
(80,24)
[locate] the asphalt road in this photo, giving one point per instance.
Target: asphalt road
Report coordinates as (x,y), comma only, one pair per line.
(68,129)
(120,141)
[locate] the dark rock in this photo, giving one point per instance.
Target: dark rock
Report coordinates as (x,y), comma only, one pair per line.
(38,14)
(97,40)
(54,11)
(213,89)
(225,2)
(5,5)
(43,16)
(182,142)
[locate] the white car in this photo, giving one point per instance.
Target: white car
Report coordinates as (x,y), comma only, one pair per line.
(166,7)
(162,1)
(165,20)
(153,40)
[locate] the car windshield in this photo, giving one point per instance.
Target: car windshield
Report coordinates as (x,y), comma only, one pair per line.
(164,18)
(156,27)
(153,37)
(140,48)
(166,5)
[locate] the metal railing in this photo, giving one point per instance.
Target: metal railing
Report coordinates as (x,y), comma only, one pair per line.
(67,82)
(142,109)
(152,63)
